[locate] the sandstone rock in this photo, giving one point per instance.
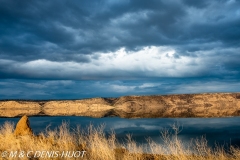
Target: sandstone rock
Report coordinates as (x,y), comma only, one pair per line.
(23,127)
(182,105)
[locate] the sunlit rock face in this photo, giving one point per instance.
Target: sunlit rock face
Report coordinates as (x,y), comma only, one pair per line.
(19,108)
(182,105)
(23,127)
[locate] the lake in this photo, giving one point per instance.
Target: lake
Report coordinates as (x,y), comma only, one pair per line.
(216,130)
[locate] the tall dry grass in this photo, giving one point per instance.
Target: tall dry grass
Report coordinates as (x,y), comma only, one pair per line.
(98,146)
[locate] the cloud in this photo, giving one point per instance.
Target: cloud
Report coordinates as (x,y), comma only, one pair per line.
(119,40)
(71,89)
(212,86)
(44,29)
(148,62)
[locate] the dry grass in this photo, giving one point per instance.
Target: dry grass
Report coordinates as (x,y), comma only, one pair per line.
(98,146)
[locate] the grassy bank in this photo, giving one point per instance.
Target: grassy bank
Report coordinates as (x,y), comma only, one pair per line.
(62,143)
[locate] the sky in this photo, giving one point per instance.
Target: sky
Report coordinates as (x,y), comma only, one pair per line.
(63,49)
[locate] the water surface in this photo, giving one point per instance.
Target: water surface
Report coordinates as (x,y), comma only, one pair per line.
(216,130)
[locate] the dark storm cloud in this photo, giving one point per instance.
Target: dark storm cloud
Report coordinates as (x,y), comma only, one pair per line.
(68,39)
(68,89)
(83,26)
(197,4)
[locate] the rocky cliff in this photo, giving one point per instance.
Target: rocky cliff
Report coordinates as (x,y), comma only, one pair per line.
(182,105)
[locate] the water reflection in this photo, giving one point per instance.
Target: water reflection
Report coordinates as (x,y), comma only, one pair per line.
(220,130)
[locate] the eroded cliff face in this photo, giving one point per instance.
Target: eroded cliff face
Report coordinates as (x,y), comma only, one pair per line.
(182,105)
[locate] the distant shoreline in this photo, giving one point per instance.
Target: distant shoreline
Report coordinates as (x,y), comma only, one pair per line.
(153,106)
(38,100)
